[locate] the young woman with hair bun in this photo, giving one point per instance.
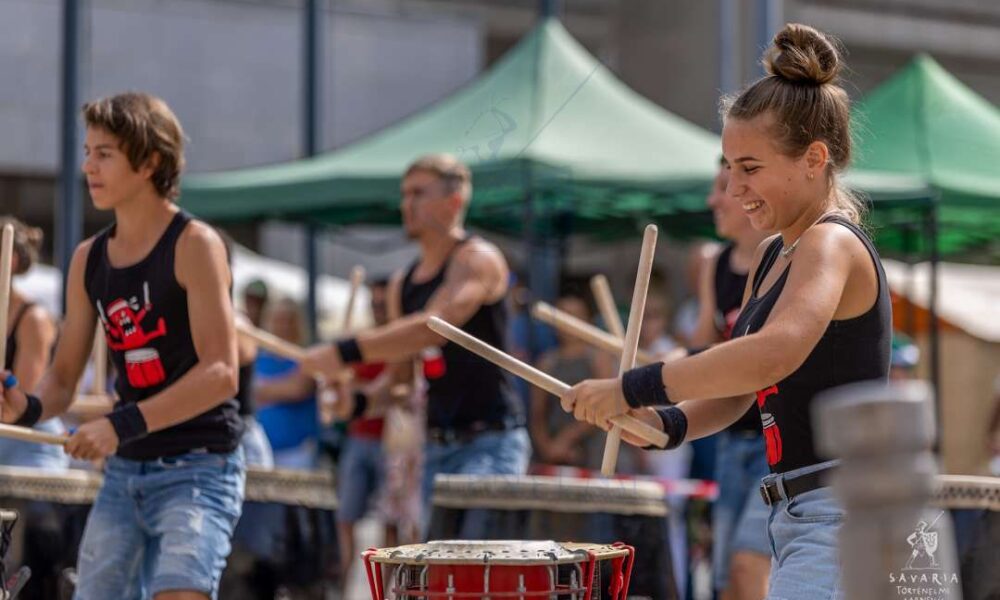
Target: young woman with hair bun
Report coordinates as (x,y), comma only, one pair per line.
(816,311)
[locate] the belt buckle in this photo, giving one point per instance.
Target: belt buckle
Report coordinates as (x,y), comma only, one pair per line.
(765,493)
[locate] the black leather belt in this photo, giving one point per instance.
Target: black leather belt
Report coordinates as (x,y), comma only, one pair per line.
(771,492)
(451,435)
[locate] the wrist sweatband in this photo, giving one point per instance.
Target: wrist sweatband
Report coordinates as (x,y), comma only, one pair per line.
(128,422)
(675,425)
(644,386)
(360,405)
(693,351)
(349,350)
(32,412)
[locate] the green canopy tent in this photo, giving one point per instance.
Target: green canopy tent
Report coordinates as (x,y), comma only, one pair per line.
(557,145)
(550,135)
(924,122)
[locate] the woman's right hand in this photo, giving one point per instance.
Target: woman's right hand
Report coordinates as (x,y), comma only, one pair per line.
(12,401)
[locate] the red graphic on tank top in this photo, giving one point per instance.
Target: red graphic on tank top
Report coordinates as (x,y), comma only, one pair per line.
(433,362)
(772,435)
(123,330)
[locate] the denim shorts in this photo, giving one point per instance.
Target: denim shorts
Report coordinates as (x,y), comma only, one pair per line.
(739,516)
(803,533)
(256,447)
(489,453)
(360,475)
(161,525)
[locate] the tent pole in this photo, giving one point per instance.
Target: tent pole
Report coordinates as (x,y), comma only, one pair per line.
(312,278)
(69,209)
(728,35)
(935,337)
(911,259)
(548,8)
(312,101)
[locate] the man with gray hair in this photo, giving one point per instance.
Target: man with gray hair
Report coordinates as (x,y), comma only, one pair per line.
(475,423)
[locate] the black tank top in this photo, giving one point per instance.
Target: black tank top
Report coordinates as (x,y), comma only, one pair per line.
(729,288)
(12,338)
(144,312)
(463,388)
(850,350)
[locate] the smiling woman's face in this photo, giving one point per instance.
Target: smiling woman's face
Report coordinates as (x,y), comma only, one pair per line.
(773,189)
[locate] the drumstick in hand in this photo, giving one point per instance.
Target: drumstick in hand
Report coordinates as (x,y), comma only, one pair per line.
(606,304)
(357,278)
(26,434)
(613,442)
(98,385)
(532,375)
(6,260)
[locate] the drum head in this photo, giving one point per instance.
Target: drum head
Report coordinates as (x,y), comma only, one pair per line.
(559,494)
(495,552)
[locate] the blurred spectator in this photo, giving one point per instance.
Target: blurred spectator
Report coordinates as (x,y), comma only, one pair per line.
(527,339)
(255,301)
(904,358)
(31,334)
(558,438)
(700,255)
(285,396)
(361,469)
(653,337)
(676,464)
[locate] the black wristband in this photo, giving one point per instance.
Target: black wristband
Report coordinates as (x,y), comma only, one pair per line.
(693,351)
(644,386)
(675,425)
(128,422)
(349,350)
(360,405)
(32,412)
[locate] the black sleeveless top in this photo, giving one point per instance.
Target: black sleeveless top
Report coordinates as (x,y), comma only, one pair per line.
(464,389)
(11,353)
(850,350)
(144,313)
(729,288)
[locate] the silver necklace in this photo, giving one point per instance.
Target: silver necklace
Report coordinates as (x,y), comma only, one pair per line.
(786,252)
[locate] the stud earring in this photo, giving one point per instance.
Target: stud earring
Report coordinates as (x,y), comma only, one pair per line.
(810,175)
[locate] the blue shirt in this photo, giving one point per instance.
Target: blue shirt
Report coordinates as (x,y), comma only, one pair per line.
(287,424)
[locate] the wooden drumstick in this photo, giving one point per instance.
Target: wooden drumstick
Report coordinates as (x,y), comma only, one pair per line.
(357,278)
(539,378)
(613,442)
(584,331)
(98,385)
(606,304)
(6,260)
(271,342)
(26,434)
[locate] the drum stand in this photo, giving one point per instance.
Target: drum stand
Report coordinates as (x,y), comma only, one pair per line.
(9,588)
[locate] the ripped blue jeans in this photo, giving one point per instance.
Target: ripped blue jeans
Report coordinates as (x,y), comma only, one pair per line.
(161,525)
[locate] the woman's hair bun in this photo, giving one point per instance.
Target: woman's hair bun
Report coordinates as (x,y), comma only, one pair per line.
(801,54)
